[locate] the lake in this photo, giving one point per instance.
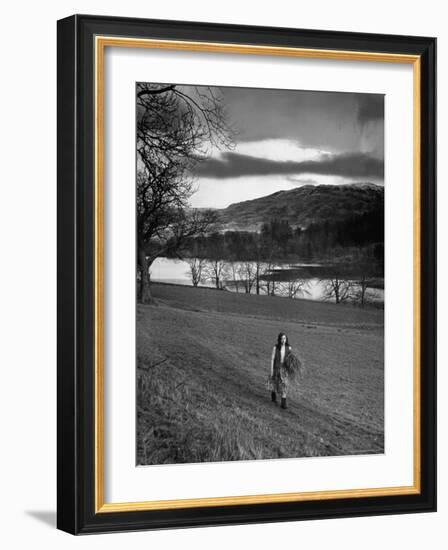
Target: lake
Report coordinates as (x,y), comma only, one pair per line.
(168,270)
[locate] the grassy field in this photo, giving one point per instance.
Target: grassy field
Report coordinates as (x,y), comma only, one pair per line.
(203,360)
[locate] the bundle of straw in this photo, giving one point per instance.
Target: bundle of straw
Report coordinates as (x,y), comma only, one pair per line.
(295,367)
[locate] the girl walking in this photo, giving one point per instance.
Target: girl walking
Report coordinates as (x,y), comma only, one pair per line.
(279,375)
(285,367)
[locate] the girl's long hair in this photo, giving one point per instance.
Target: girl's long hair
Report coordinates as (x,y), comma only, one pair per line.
(279,340)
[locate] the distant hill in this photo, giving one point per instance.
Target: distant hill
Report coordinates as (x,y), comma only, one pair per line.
(303,206)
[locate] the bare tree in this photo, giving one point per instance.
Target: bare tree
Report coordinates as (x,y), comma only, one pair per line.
(260,253)
(258,273)
(234,272)
(295,287)
(248,273)
(176,128)
(196,266)
(338,289)
(268,276)
(360,293)
(216,270)
(366,268)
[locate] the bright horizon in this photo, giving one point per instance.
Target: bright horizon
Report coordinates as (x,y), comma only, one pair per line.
(281,188)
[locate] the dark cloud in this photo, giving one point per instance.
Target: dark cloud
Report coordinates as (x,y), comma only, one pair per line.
(235,165)
(370,108)
(333,121)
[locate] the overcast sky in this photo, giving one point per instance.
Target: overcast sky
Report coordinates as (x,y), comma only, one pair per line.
(286,139)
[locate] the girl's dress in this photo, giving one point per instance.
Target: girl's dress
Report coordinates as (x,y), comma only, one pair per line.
(279,381)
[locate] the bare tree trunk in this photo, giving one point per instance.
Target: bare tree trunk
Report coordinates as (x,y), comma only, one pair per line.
(234,269)
(336,290)
(363,290)
(144,294)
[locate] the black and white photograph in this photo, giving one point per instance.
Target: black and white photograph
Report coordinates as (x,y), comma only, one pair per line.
(259,273)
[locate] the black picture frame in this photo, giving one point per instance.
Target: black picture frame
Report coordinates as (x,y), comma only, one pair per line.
(76,509)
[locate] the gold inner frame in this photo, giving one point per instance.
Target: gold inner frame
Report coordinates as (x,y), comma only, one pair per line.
(101,42)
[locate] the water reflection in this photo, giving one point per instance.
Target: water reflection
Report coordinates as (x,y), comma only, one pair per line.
(176,271)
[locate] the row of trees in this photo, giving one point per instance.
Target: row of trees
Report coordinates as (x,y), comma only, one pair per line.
(277,240)
(341,283)
(246,276)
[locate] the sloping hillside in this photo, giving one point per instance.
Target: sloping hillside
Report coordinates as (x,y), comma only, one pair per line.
(203,361)
(304,205)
